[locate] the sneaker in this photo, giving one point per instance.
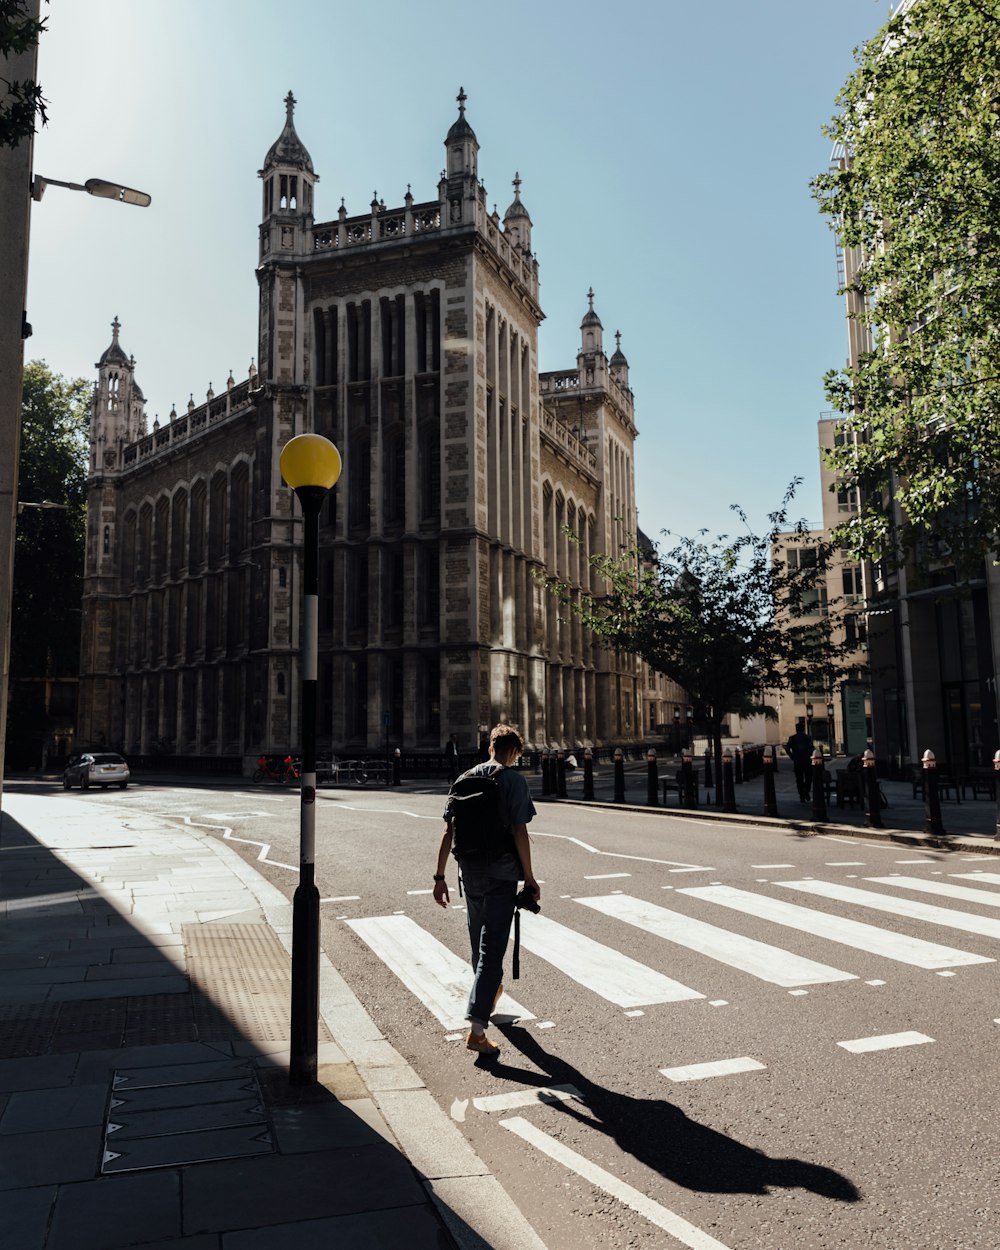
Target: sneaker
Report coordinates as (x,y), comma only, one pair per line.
(481,1044)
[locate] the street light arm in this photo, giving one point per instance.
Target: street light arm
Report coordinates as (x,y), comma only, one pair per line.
(93,186)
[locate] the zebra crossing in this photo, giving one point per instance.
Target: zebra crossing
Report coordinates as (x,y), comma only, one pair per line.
(439,977)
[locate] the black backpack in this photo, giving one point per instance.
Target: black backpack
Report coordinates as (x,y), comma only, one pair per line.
(475,810)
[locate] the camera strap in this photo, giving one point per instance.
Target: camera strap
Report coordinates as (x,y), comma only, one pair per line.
(516,958)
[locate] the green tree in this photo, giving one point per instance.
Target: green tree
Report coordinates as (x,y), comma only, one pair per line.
(726,618)
(23,103)
(49,542)
(917,193)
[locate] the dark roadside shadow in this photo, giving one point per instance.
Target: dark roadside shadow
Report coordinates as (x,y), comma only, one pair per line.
(151,1081)
(659,1135)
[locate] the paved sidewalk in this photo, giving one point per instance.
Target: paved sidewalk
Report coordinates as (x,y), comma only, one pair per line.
(144,986)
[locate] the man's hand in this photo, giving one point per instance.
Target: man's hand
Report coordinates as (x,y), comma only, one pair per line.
(531,884)
(441,896)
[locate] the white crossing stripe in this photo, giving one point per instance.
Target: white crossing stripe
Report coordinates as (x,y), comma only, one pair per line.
(864,937)
(888,1041)
(911,908)
(427,968)
(526,1097)
(989,898)
(687,1234)
(606,876)
(719,1067)
(768,963)
(991,878)
(607,972)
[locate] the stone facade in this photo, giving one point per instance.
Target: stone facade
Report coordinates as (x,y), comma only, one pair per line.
(408,336)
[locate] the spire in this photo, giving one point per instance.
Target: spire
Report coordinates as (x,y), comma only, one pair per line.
(463,147)
(114,353)
(618,362)
(591,330)
(516,221)
(288,149)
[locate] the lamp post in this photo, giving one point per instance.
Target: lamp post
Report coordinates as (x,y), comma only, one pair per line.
(809,719)
(310,465)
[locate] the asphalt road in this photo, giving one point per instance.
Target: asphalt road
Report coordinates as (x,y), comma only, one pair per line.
(798,1141)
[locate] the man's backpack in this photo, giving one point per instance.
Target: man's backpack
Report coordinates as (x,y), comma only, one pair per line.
(479,832)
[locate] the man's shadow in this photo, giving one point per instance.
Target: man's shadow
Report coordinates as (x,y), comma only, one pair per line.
(661,1136)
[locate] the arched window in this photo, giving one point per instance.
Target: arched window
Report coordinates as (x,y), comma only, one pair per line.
(199,495)
(217,519)
(178,532)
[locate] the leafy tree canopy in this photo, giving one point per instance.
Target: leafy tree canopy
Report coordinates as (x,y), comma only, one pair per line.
(22,103)
(49,543)
(728,619)
(918,195)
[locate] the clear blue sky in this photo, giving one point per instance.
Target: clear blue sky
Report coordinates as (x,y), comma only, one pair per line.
(665,149)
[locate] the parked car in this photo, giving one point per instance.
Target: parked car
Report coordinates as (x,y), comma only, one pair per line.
(96,768)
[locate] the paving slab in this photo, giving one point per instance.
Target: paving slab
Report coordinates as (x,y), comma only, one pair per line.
(117,1211)
(24,1217)
(37,1072)
(413,1227)
(51,1110)
(42,1158)
(320,1184)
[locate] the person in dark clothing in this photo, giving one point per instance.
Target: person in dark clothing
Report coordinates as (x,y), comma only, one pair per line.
(799,748)
(451,755)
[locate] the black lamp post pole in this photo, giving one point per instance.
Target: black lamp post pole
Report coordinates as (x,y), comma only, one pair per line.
(305,901)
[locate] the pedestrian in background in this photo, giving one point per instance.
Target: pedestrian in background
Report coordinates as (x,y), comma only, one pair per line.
(451,756)
(799,748)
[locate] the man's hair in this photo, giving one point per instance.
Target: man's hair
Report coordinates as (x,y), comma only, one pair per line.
(505,741)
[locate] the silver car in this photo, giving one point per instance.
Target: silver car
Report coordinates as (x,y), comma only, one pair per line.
(96,768)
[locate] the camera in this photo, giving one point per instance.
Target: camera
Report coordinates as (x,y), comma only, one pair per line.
(526,899)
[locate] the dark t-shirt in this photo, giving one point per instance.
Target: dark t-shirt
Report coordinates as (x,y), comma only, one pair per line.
(800,748)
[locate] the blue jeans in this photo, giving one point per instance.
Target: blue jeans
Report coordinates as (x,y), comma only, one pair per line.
(490,904)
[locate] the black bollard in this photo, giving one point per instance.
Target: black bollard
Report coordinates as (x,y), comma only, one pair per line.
(619,776)
(770,798)
(688,780)
(738,766)
(561,775)
(728,790)
(588,774)
(872,794)
(818,787)
(996,789)
(397,763)
(546,775)
(652,780)
(932,800)
(708,768)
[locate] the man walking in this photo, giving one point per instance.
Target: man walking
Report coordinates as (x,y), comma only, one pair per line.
(800,748)
(491,882)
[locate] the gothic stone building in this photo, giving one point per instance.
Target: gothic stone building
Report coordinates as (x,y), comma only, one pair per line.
(409,337)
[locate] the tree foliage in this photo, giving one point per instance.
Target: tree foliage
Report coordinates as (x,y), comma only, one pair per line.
(23,103)
(725,618)
(49,543)
(918,194)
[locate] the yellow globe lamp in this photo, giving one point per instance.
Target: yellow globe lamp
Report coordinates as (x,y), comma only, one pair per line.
(310,460)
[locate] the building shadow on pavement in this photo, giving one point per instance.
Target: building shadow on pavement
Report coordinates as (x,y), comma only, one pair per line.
(659,1135)
(143,1094)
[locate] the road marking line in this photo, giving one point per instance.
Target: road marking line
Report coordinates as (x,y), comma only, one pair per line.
(719,1067)
(606,876)
(797,993)
(420,891)
(844,863)
(767,963)
(916,861)
(865,937)
(634,1014)
(991,878)
(989,898)
(526,1097)
(617,978)
(875,982)
(887,1041)
(944,974)
(828,837)
(691,870)
(772,865)
(229,836)
(342,898)
(545,1024)
(642,859)
(719,1002)
(436,976)
(678,1227)
(911,908)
